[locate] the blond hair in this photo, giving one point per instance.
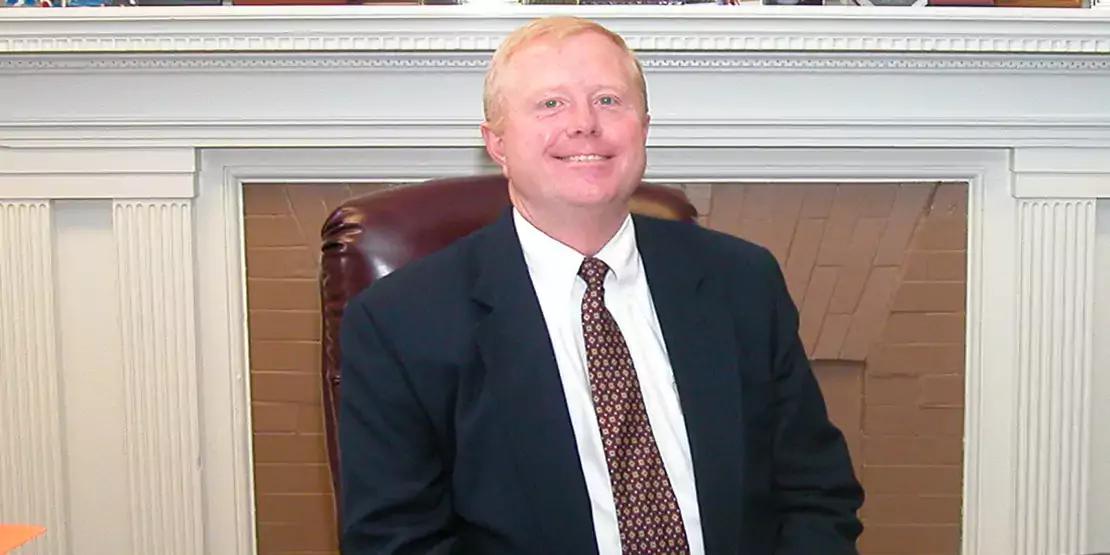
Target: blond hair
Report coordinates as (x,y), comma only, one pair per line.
(553,28)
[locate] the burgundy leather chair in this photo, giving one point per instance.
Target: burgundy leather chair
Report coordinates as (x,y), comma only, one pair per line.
(370,236)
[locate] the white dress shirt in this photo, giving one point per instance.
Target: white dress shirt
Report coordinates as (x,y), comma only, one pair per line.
(553,267)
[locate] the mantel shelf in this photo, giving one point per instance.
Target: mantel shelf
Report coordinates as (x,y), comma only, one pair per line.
(479,28)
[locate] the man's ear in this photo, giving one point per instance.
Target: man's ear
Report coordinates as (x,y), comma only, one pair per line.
(495,145)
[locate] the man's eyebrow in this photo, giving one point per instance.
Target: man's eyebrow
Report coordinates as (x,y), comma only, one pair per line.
(542,90)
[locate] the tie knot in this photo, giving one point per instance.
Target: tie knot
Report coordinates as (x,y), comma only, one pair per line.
(593,271)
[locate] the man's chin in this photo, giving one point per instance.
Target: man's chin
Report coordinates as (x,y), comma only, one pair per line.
(597,201)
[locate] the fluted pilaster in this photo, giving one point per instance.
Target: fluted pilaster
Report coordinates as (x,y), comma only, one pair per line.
(1056,249)
(156,267)
(32,472)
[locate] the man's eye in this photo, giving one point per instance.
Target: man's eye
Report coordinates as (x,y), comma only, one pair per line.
(550,103)
(607,100)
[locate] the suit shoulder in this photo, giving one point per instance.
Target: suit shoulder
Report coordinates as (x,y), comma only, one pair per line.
(713,245)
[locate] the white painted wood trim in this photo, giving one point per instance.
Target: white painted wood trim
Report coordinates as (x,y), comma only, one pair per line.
(230,526)
(705,27)
(699,99)
(154,240)
(1098,492)
(1056,241)
(1062,160)
(32,466)
(1035,185)
(989,427)
(1061,173)
(1046,173)
(104,173)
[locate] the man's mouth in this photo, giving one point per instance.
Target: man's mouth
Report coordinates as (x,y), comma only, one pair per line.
(584,158)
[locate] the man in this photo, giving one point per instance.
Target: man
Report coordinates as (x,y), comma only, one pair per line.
(574,380)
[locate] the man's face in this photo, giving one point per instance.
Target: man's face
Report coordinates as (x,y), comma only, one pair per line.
(573,129)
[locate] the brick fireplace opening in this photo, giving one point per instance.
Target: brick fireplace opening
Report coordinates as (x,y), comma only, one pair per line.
(878,271)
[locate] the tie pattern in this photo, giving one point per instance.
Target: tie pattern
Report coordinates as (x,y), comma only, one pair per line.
(648,516)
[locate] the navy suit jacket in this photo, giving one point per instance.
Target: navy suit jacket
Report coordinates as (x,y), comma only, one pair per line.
(454,432)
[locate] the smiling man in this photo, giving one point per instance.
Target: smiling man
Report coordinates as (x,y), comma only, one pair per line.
(573,379)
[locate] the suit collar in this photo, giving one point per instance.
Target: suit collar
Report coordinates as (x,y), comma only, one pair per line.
(702,344)
(665,257)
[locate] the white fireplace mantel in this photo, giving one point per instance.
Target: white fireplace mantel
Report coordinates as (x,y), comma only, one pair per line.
(127,133)
(405,76)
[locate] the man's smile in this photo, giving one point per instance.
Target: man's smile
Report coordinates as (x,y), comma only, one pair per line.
(584,158)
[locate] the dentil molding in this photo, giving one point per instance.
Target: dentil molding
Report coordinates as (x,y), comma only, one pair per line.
(395,62)
(480,28)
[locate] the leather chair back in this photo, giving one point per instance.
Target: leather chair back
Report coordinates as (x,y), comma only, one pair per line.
(368,237)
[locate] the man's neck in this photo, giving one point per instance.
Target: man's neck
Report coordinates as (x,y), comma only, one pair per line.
(584,231)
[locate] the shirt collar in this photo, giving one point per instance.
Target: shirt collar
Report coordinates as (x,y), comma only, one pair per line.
(556,264)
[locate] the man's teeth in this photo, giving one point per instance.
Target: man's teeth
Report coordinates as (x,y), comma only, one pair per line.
(584,158)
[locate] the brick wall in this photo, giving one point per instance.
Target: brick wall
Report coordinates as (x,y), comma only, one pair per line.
(878,272)
(292,481)
(879,275)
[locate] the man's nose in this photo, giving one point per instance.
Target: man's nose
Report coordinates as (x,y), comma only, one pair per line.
(583,120)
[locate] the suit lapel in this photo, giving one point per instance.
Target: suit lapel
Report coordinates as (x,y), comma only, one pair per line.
(701,343)
(523,379)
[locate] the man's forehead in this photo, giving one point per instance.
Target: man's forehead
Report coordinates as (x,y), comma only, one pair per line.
(540,46)
(521,70)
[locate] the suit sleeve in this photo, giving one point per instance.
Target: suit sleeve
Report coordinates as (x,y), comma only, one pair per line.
(815,484)
(395,489)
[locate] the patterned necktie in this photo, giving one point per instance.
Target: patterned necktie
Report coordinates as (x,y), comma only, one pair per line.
(647,513)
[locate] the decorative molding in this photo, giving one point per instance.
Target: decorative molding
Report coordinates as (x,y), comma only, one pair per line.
(1062,173)
(876,99)
(104,173)
(33,488)
(236,167)
(871,62)
(705,27)
(1062,160)
(225,373)
(723,131)
(478,61)
(154,240)
(1056,242)
(667,165)
(250,61)
(1098,486)
(1047,185)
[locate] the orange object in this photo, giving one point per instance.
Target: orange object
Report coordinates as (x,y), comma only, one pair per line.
(15,535)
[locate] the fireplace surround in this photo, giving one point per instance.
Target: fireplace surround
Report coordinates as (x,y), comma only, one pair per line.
(126,136)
